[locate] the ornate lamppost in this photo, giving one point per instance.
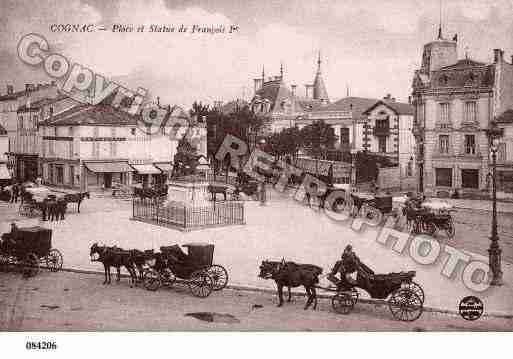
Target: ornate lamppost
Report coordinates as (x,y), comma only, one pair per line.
(494,252)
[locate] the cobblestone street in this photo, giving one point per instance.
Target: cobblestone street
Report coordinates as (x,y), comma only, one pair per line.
(79,302)
(282,229)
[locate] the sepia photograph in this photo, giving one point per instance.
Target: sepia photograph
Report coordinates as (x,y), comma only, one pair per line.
(255,166)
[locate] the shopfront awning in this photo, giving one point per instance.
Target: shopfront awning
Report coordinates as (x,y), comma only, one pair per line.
(147,169)
(4,172)
(165,167)
(108,167)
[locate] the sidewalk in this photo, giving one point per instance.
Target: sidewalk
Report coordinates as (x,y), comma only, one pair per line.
(480,205)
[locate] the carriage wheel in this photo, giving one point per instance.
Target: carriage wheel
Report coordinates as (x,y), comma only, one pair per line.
(4,263)
(416,288)
(200,284)
(343,303)
(151,280)
(54,260)
(449,229)
(219,276)
(30,265)
(405,305)
(429,228)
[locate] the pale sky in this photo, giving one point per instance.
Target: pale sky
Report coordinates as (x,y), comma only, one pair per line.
(372,46)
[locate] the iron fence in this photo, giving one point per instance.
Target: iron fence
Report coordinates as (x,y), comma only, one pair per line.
(184,217)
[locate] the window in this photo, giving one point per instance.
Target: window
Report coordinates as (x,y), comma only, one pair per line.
(72,175)
(382,124)
(470,178)
(60,174)
(470,112)
(382,144)
(443,177)
(502,155)
(409,168)
(444,113)
(443,144)
(470,144)
(113,144)
(132,131)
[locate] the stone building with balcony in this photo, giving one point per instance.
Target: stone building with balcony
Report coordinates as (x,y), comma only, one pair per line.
(94,146)
(454,102)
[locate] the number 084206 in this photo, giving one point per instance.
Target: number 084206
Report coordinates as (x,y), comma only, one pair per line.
(40,345)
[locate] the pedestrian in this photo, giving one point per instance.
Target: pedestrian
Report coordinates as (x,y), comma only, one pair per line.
(15,192)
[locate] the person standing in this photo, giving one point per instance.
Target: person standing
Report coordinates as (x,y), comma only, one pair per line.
(15,192)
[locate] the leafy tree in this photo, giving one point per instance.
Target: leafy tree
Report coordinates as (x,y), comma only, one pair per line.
(199,110)
(318,137)
(286,142)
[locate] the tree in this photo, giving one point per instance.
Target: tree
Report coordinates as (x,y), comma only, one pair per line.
(318,137)
(286,142)
(199,110)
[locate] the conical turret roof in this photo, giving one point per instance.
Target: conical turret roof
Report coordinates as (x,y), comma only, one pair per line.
(319,89)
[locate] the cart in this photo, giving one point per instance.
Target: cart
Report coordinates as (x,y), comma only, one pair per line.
(371,205)
(32,201)
(28,248)
(405,297)
(437,217)
(194,268)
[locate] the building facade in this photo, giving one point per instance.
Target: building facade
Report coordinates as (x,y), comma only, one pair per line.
(454,103)
(93,147)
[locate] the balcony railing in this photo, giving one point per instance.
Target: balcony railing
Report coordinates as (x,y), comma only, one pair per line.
(381,131)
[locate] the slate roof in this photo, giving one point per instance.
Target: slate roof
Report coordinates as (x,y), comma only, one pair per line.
(398,107)
(361,105)
(92,115)
(506,117)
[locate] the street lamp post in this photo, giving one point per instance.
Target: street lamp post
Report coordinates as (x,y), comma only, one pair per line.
(494,252)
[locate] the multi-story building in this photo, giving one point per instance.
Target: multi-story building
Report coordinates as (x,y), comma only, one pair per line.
(454,102)
(5,174)
(93,146)
(9,105)
(505,155)
(379,126)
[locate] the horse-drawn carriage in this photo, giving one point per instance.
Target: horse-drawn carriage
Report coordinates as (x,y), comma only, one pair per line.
(29,247)
(32,201)
(405,297)
(430,217)
(194,269)
(371,204)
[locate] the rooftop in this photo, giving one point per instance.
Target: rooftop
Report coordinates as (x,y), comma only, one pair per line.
(92,115)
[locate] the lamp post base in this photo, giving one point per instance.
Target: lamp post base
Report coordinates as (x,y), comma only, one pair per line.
(494,255)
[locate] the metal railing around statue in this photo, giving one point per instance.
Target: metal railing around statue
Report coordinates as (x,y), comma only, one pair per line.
(187,218)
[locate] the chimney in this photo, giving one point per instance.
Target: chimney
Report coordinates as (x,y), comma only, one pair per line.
(497,55)
(10,89)
(293,87)
(309,91)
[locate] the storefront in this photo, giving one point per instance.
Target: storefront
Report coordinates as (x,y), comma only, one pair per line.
(146,174)
(102,174)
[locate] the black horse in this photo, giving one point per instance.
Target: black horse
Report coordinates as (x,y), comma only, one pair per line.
(114,257)
(76,198)
(214,190)
(290,274)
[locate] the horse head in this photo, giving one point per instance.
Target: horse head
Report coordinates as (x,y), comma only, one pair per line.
(269,268)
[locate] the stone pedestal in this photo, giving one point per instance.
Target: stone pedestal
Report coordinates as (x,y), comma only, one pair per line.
(193,194)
